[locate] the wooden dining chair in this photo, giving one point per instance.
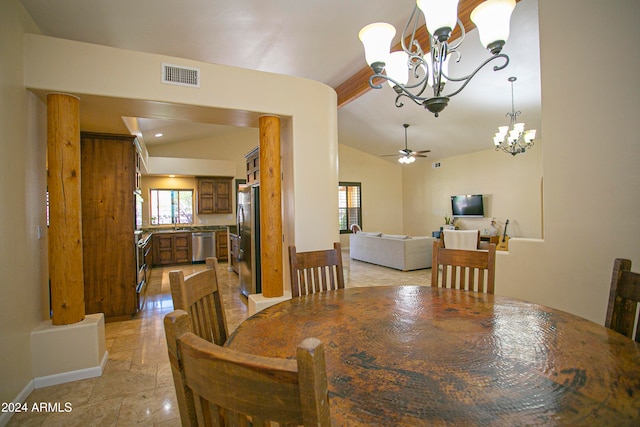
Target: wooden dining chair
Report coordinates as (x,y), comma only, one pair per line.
(624,296)
(463,269)
(316,271)
(219,386)
(198,294)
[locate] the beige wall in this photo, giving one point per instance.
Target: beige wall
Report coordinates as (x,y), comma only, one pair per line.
(22,210)
(380,180)
(590,159)
(511,188)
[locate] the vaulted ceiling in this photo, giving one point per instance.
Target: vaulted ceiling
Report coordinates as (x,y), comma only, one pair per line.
(318,40)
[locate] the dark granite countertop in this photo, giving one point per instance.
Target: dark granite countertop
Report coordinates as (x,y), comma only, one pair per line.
(147,232)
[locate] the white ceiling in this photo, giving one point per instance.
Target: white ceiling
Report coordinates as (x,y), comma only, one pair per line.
(314,39)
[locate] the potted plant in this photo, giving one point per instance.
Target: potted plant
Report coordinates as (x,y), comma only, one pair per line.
(448,223)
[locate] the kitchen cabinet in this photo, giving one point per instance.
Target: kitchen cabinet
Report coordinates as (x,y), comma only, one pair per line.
(171,248)
(234,252)
(108,180)
(222,248)
(214,195)
(253,166)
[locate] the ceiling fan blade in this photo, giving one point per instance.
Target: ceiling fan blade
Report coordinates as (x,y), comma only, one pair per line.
(419,155)
(423,151)
(390,155)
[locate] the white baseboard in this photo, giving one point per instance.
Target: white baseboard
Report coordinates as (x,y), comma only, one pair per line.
(20,398)
(67,377)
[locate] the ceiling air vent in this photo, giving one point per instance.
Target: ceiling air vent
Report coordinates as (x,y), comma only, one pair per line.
(180,76)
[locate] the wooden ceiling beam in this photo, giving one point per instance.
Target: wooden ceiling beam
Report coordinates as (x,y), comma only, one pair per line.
(358,84)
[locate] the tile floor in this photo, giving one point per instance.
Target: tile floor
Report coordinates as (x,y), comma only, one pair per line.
(136,387)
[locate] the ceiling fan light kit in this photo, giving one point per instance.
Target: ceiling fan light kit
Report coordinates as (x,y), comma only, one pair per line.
(492,18)
(513,139)
(407,160)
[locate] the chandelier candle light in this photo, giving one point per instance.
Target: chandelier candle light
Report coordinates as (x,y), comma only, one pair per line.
(492,18)
(513,139)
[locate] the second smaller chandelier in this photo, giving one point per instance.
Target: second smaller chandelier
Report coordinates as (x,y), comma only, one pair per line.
(491,17)
(513,139)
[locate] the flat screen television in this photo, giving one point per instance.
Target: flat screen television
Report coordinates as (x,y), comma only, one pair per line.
(467,206)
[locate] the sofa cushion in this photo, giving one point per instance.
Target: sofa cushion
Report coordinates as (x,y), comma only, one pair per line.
(370,233)
(396,236)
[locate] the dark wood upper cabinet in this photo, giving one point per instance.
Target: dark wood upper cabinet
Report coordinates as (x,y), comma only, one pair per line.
(253,166)
(214,195)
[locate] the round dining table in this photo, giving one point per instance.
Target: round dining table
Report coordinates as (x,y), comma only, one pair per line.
(419,355)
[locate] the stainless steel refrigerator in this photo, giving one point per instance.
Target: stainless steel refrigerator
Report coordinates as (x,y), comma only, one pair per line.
(249,232)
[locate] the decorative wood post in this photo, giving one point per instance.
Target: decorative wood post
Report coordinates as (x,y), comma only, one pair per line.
(270,207)
(65,215)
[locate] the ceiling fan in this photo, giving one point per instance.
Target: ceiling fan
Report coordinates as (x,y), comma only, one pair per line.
(406,155)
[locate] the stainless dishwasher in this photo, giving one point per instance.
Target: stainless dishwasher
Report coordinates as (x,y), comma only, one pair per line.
(203,245)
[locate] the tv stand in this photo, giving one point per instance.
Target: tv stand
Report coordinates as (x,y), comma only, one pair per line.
(490,239)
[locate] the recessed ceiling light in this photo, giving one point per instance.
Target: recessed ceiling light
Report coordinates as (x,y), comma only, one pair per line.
(158,135)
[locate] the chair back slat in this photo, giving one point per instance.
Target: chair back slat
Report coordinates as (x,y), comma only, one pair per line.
(470,270)
(624,296)
(219,386)
(316,271)
(199,295)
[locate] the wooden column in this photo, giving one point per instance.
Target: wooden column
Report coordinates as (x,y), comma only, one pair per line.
(270,207)
(65,216)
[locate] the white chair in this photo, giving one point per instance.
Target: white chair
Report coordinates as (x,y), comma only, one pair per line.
(462,239)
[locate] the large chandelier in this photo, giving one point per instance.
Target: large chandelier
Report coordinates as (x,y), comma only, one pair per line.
(492,18)
(513,139)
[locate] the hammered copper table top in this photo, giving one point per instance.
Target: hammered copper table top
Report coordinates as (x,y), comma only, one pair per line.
(411,355)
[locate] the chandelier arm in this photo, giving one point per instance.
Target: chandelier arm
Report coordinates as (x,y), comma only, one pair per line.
(513,115)
(414,99)
(495,68)
(417,97)
(424,83)
(375,76)
(443,52)
(456,53)
(413,42)
(462,36)
(468,78)
(417,63)
(403,88)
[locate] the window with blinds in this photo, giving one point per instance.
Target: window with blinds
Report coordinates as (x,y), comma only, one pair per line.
(349,206)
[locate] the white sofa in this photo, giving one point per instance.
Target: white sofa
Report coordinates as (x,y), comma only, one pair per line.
(390,250)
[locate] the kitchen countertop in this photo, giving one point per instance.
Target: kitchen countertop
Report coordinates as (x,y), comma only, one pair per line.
(147,232)
(171,229)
